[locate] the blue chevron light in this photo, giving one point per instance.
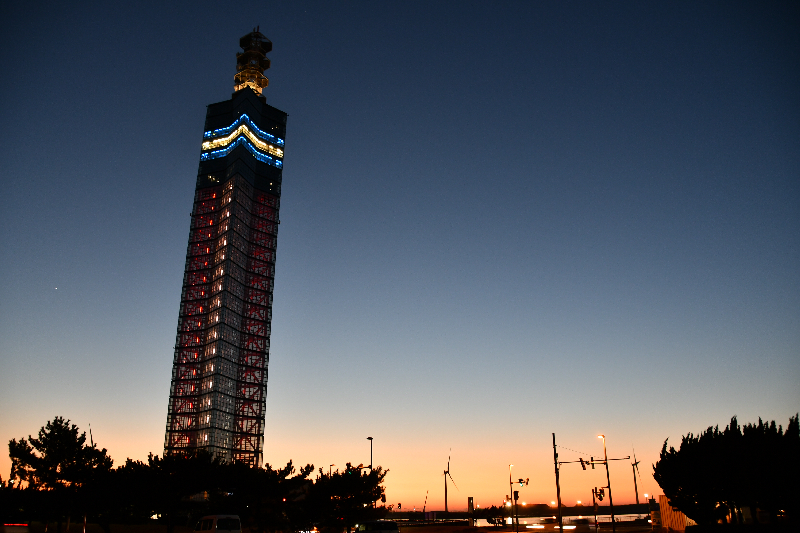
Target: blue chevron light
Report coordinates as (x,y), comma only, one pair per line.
(244,119)
(261,156)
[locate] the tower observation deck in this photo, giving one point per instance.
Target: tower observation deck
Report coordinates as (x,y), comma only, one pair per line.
(219,376)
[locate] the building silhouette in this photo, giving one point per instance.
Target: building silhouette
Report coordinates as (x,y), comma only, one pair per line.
(219,375)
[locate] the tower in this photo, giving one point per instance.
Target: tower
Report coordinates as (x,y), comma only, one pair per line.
(219,375)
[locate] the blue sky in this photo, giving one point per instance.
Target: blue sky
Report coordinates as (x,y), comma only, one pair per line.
(499,220)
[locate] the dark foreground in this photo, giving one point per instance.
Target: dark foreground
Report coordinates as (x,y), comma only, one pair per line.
(622,527)
(38,527)
(433,528)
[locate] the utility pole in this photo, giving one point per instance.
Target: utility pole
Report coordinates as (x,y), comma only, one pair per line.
(558,486)
(592,462)
(608,480)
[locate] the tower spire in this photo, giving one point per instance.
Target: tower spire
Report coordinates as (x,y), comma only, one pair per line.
(251,64)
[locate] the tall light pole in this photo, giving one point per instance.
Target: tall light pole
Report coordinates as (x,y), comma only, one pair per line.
(608,480)
(370,460)
(510,487)
(513,499)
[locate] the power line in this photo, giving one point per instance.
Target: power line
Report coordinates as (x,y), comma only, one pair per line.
(570,449)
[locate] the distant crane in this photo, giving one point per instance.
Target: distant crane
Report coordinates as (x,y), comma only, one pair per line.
(635,468)
(446,475)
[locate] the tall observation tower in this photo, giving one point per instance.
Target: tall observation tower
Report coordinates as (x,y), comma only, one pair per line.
(219,374)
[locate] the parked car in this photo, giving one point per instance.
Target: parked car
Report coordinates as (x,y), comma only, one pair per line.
(222,523)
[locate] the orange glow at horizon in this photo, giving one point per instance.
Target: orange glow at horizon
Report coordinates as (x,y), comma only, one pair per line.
(413,471)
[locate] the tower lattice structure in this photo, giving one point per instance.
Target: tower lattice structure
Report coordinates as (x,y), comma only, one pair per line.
(219,377)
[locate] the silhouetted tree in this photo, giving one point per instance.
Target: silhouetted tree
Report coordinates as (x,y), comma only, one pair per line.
(133,500)
(172,481)
(62,469)
(58,458)
(341,500)
(58,475)
(718,472)
(267,499)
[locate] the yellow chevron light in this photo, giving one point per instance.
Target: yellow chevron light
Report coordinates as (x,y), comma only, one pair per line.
(243,130)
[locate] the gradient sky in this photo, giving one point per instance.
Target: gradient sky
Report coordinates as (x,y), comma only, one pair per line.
(499,220)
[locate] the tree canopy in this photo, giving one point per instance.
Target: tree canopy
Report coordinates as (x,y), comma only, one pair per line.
(715,473)
(58,457)
(343,499)
(57,475)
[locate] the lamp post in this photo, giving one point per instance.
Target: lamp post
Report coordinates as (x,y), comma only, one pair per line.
(510,486)
(608,480)
(513,497)
(370,460)
(329,469)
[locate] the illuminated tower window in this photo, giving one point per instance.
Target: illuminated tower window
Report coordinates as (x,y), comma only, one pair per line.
(219,375)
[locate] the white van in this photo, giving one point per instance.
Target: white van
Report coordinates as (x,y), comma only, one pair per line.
(222,523)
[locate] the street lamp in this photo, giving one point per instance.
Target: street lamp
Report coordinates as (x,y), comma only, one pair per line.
(608,480)
(370,452)
(510,487)
(513,497)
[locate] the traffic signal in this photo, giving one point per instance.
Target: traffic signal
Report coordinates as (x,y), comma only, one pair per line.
(516,495)
(399,506)
(583,464)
